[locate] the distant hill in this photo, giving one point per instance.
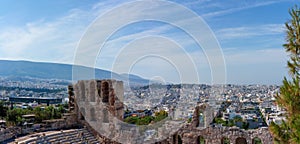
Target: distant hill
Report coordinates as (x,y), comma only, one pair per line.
(57,71)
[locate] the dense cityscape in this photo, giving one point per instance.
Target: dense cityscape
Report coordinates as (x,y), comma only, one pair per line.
(251,103)
(243,106)
(254,104)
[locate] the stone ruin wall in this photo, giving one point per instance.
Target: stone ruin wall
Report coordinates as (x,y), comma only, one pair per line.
(96,104)
(191,133)
(108,95)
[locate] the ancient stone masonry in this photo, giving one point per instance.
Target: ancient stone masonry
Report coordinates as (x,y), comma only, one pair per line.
(98,104)
(108,93)
(203,116)
(72,103)
(213,135)
(196,133)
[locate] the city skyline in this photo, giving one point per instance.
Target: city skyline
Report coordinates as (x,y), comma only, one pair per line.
(250,35)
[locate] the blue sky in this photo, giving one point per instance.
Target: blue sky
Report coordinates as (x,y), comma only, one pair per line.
(250,34)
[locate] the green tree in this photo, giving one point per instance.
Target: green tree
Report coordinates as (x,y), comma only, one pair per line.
(225,140)
(257,141)
(231,123)
(289,97)
(131,119)
(39,114)
(160,115)
(237,119)
(52,113)
(201,140)
(219,120)
(15,115)
(145,120)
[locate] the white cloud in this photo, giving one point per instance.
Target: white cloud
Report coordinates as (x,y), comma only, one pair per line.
(51,41)
(113,47)
(238,6)
(250,31)
(59,38)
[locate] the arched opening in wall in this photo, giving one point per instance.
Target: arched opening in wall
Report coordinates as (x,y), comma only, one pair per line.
(179,139)
(112,98)
(241,140)
(200,140)
(99,88)
(201,118)
(174,138)
(105,92)
(256,140)
(225,140)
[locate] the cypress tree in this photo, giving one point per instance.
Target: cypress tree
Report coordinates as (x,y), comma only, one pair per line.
(289,96)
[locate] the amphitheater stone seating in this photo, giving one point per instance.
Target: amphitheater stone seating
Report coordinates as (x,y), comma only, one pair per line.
(82,136)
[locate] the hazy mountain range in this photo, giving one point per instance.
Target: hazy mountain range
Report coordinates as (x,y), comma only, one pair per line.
(57,71)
